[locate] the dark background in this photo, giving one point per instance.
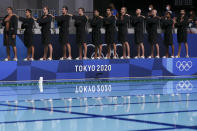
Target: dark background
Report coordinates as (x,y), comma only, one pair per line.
(132,5)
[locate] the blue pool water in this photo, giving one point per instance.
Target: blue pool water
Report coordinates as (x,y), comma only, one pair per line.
(112,106)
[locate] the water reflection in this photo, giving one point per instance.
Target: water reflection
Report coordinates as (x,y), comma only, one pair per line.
(101,106)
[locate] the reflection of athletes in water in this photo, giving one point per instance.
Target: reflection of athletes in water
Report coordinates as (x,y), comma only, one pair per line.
(10,23)
(110,29)
(80,24)
(138,24)
(96,24)
(182,24)
(63,23)
(167,26)
(122,23)
(27,24)
(45,22)
(152,25)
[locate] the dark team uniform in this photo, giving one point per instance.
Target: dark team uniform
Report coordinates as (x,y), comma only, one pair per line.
(138,24)
(152,24)
(182,29)
(167,25)
(122,24)
(28,34)
(80,24)
(110,29)
(96,24)
(63,23)
(45,23)
(10,30)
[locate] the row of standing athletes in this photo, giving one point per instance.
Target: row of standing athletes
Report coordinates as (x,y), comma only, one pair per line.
(109,22)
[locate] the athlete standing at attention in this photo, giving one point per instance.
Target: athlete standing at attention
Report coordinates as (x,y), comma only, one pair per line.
(96,24)
(10,23)
(63,23)
(138,24)
(122,23)
(45,22)
(182,24)
(167,26)
(152,25)
(27,24)
(110,29)
(80,24)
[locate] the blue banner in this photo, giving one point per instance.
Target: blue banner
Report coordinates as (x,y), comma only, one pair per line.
(192,38)
(84,69)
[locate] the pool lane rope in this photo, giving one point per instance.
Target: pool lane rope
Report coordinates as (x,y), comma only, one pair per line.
(42,82)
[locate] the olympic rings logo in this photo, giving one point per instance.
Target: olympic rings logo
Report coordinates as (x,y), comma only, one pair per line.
(184,86)
(184,65)
(103,45)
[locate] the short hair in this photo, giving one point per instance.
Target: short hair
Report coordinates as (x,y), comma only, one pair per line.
(168,5)
(96,10)
(139,10)
(125,8)
(65,7)
(10,8)
(46,8)
(154,10)
(151,5)
(82,9)
(168,12)
(109,9)
(29,11)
